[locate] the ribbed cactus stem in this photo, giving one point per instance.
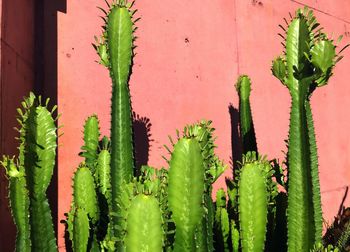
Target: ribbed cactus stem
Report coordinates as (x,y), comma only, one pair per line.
(252,207)
(91,138)
(185,191)
(144,225)
(84,192)
(84,210)
(222,227)
(19,203)
(318,219)
(103,172)
(234,237)
(81,230)
(119,45)
(39,161)
(247,131)
(307,64)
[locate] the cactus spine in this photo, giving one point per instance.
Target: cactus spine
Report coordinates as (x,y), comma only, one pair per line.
(247,131)
(307,64)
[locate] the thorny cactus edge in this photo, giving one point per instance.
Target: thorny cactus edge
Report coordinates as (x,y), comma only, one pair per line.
(30,175)
(307,63)
(115,49)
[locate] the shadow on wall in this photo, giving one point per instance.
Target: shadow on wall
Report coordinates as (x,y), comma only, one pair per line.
(28,63)
(142,141)
(236,141)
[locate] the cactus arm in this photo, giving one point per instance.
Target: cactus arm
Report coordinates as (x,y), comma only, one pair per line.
(318,220)
(81,230)
(204,231)
(209,221)
(84,193)
(247,131)
(220,242)
(42,231)
(225,228)
(144,225)
(203,133)
(103,171)
(39,161)
(185,191)
(19,204)
(252,208)
(120,44)
(40,150)
(91,138)
(84,208)
(234,237)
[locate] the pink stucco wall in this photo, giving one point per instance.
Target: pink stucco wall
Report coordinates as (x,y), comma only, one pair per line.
(189,56)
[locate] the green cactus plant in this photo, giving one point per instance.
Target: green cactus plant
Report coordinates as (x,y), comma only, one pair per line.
(309,59)
(81,230)
(84,212)
(103,171)
(222,222)
(91,140)
(144,225)
(19,202)
(115,49)
(31,178)
(185,191)
(246,125)
(253,207)
(214,167)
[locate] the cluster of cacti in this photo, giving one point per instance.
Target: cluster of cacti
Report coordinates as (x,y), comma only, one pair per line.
(115,208)
(30,175)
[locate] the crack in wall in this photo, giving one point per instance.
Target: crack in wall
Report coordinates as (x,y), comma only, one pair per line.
(321,11)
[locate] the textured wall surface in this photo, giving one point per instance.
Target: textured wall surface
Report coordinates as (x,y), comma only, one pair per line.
(189,56)
(16,80)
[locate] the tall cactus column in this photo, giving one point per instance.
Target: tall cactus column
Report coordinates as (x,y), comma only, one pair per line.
(307,64)
(116,52)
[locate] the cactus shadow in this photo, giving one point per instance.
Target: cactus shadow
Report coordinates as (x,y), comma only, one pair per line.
(142,140)
(236,140)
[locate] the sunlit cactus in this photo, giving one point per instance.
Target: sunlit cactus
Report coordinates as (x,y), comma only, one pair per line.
(115,48)
(185,191)
(246,125)
(307,63)
(31,175)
